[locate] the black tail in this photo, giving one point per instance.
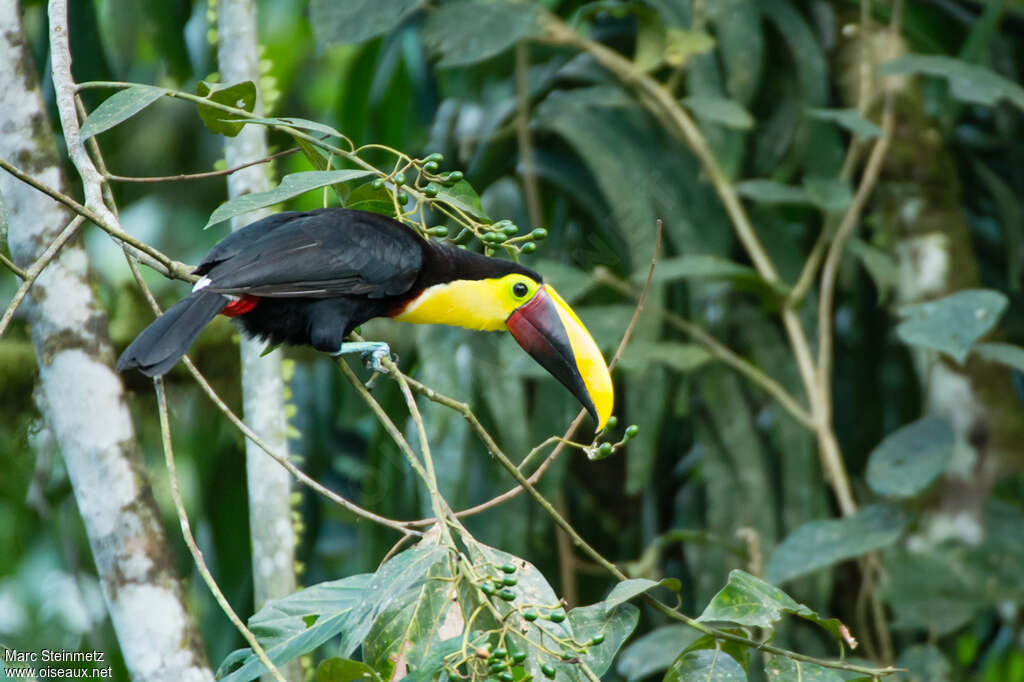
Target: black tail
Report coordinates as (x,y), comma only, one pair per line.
(161,344)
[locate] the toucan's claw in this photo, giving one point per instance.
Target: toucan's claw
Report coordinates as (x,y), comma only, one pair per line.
(372,353)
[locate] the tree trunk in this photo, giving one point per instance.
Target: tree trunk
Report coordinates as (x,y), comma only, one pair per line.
(273,538)
(82,397)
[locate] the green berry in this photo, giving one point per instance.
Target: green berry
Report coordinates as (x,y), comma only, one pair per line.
(495,666)
(519,656)
(509,580)
(454,176)
(556,616)
(539,234)
(529,615)
(430,166)
(597,639)
(499,653)
(506,676)
(377,183)
(528,247)
(549,672)
(403,198)
(399,178)
(436,157)
(612,422)
(487,589)
(438,231)
(510,229)
(605,450)
(507,594)
(431,189)
(508,568)
(631,431)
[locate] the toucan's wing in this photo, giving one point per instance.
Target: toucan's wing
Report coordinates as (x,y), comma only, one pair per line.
(319,254)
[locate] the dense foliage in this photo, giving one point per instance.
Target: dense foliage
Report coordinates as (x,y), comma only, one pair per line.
(720,487)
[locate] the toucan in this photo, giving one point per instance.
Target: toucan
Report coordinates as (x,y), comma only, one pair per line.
(310,278)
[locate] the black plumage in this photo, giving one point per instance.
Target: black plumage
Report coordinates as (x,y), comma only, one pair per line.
(315,276)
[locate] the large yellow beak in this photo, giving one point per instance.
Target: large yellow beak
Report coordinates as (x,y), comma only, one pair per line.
(548,329)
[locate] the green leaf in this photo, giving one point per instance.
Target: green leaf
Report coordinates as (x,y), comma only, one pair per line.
(297,624)
(727,112)
(741,45)
(747,600)
(880,264)
(907,461)
(291,122)
(614,624)
(119,107)
(681,45)
(465,32)
(925,663)
(706,665)
(771,192)
(682,357)
(831,195)
(570,282)
(627,589)
(782,668)
(849,119)
(967,82)
(366,197)
(461,195)
(240,96)
(712,268)
(650,38)
(655,651)
(952,324)
(291,186)
(354,21)
(1003,353)
(344,670)
(818,544)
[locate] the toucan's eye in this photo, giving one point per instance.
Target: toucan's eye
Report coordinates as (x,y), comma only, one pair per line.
(520,289)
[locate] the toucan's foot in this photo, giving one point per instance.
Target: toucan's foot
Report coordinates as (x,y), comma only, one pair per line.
(372,353)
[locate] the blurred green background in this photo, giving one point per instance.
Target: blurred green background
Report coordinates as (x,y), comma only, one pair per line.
(716,462)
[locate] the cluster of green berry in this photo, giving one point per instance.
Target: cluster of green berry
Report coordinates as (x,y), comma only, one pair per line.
(606,449)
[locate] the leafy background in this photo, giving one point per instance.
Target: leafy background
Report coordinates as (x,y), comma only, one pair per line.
(719,476)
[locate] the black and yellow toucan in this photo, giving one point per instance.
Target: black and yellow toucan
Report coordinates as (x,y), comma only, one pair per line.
(310,278)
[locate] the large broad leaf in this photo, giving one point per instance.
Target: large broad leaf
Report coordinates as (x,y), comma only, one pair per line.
(707,665)
(771,192)
(781,668)
(849,119)
(343,609)
(292,122)
(465,32)
(831,195)
(119,107)
(907,461)
(611,625)
(655,651)
(240,96)
(952,324)
(627,589)
(819,544)
(925,663)
(353,21)
(967,82)
(291,186)
(345,670)
(747,600)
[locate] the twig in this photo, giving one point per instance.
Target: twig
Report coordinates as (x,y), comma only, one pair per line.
(33,272)
(141,251)
(198,176)
(524,137)
(722,352)
(186,531)
(300,475)
(9,264)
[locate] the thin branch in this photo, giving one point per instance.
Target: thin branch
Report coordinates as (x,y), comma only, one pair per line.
(9,264)
(300,475)
(141,251)
(33,272)
(722,352)
(198,176)
(524,137)
(186,531)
